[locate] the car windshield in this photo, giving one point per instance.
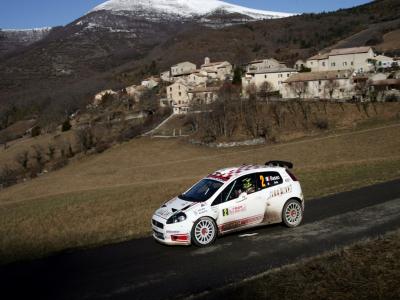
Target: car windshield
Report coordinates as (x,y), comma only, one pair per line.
(202,191)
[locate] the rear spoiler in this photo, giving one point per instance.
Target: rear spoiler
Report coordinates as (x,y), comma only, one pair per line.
(279,163)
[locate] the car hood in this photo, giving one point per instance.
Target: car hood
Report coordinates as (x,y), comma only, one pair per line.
(172,206)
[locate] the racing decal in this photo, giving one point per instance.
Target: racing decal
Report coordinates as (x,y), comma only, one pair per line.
(233,210)
(228,175)
(272,178)
(164,212)
(241,222)
(200,211)
(280,191)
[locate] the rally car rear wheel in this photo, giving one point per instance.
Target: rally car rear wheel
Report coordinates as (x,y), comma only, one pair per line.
(292,214)
(204,232)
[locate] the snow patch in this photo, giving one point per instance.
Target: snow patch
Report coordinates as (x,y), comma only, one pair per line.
(185,8)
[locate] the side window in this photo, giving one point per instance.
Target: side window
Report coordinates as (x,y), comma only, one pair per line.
(268,179)
(246,184)
(223,196)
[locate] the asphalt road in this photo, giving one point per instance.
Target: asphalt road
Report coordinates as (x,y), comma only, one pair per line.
(143,269)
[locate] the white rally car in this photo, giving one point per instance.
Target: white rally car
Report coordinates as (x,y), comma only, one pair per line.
(228,200)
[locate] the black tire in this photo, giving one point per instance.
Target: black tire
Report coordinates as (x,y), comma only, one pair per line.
(292,213)
(204,232)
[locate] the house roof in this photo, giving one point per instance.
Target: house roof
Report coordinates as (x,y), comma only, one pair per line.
(386,82)
(313,76)
(345,51)
(319,56)
(213,64)
(205,89)
(184,62)
(273,70)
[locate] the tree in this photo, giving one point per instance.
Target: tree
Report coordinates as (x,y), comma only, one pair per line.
(36,131)
(300,88)
(362,88)
(265,90)
(38,156)
(22,158)
(237,76)
(330,87)
(149,101)
(66,125)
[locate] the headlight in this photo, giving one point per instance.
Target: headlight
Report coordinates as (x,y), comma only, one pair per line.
(179,217)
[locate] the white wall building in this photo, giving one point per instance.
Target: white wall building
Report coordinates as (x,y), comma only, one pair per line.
(221,70)
(262,64)
(356,59)
(275,77)
(183,68)
(336,85)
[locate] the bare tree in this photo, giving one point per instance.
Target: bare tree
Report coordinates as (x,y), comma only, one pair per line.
(39,157)
(265,90)
(330,87)
(300,88)
(22,158)
(362,89)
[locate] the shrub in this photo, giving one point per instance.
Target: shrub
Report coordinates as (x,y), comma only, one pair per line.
(8,176)
(36,131)
(392,98)
(66,126)
(321,124)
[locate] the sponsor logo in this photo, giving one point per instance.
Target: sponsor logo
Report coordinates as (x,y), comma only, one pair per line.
(280,191)
(233,210)
(272,178)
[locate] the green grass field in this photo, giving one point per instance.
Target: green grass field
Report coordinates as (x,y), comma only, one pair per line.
(111,197)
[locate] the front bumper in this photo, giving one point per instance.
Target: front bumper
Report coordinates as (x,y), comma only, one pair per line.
(171,234)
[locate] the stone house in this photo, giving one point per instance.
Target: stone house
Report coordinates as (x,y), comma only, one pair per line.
(197,77)
(183,68)
(300,64)
(274,76)
(151,82)
(356,59)
(382,62)
(336,85)
(166,76)
(262,64)
(217,70)
(384,88)
(203,95)
(177,94)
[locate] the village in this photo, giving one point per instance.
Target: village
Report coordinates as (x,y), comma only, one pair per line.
(348,74)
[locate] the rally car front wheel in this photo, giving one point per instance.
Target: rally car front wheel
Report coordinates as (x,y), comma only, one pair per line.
(204,232)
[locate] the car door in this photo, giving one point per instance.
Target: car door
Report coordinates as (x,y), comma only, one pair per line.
(270,185)
(239,204)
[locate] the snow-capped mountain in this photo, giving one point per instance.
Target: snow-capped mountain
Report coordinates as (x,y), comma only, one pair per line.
(184,8)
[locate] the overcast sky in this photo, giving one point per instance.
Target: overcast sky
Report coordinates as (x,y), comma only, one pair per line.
(43,13)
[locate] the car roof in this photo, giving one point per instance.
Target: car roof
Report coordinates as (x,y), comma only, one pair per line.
(235,172)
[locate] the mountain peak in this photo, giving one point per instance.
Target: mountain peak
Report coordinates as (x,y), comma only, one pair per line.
(185,8)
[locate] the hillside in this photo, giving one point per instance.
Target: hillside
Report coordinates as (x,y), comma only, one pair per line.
(62,71)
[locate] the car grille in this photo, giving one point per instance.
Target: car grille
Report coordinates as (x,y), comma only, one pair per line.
(158,224)
(158,234)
